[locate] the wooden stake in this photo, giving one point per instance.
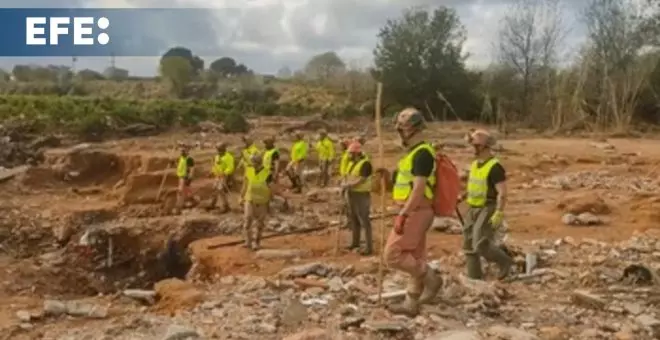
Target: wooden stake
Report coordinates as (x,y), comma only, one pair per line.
(381,157)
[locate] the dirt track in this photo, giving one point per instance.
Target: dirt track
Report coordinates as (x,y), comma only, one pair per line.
(113,187)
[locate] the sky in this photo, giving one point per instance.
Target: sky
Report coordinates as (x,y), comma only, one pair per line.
(267,35)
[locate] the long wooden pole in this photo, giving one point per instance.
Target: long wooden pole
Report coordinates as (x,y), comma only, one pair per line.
(381,157)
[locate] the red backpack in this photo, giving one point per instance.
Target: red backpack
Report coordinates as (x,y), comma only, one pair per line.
(447,186)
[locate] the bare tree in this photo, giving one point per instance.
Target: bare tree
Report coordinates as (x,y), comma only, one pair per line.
(617,72)
(529,38)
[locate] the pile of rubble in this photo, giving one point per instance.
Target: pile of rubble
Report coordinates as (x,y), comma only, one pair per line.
(601,179)
(563,289)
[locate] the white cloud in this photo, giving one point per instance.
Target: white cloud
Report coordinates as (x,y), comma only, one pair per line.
(269,34)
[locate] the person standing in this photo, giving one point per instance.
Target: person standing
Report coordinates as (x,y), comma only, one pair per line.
(184,172)
(250,149)
(358,188)
(486,198)
(413,182)
(326,153)
(256,194)
(223,168)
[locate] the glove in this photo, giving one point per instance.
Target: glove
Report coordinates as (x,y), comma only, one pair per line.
(399,221)
(496,219)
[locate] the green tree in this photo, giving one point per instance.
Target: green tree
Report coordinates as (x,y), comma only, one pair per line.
(178,72)
(420,61)
(324,66)
(197,64)
(88,74)
(224,66)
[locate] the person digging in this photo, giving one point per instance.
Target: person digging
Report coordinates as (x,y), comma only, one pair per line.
(184,172)
(257,191)
(295,167)
(486,197)
(357,186)
(326,153)
(223,170)
(405,249)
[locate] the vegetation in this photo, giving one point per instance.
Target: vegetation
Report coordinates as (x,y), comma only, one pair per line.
(611,84)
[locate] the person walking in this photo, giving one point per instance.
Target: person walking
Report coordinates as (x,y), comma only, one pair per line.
(326,153)
(414,179)
(486,197)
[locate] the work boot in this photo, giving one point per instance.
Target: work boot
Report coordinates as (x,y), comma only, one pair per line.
(409,307)
(498,256)
(352,247)
(366,252)
(473,264)
(432,284)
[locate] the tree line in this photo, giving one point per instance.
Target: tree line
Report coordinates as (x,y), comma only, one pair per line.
(611,81)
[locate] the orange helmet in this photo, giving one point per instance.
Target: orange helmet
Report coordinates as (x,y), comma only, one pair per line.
(410,118)
(355,147)
(482,137)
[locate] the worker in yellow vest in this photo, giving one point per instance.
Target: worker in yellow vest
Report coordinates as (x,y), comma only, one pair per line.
(249,149)
(406,245)
(358,187)
(345,158)
(295,167)
(184,172)
(486,197)
(325,148)
(272,157)
(258,189)
(223,168)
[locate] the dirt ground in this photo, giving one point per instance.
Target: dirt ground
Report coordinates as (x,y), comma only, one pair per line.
(111,189)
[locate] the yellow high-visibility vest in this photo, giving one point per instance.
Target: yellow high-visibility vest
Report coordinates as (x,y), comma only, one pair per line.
(299,151)
(182,167)
(326,149)
(355,172)
(223,165)
(477,186)
(246,156)
(268,158)
(344,163)
(404,178)
(257,191)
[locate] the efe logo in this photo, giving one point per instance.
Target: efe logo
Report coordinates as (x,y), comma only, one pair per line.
(83,30)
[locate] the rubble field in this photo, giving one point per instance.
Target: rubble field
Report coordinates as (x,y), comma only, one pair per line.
(90,249)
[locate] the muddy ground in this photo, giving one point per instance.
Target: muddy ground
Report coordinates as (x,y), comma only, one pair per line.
(588,211)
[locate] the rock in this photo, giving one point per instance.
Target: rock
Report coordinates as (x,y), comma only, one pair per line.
(456,335)
(385,326)
(624,335)
(280,253)
(647,321)
(633,308)
(509,333)
(315,268)
(148,296)
(588,300)
(54,307)
(587,218)
(335,284)
(309,334)
(294,313)
(554,333)
(569,219)
(24,316)
(394,295)
(355,321)
(84,309)
(178,332)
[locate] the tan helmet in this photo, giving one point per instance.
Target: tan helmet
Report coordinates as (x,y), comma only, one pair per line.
(221,145)
(269,139)
(323,132)
(483,138)
(247,139)
(298,134)
(410,119)
(183,145)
